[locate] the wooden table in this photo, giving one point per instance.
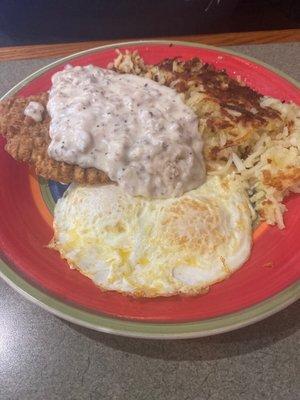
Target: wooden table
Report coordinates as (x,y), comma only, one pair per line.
(222,39)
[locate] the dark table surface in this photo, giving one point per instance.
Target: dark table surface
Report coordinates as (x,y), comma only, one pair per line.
(44,21)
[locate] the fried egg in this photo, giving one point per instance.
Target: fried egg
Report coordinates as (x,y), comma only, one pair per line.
(154,247)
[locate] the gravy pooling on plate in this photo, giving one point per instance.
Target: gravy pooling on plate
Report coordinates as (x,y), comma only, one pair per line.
(137,131)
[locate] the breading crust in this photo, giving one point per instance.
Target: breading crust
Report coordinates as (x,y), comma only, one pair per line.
(28,141)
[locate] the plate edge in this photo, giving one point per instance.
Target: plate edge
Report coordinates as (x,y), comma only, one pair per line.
(280,306)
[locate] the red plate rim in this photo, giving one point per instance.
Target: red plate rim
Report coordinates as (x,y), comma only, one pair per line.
(146,329)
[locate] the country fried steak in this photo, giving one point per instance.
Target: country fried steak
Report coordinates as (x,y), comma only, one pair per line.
(28,140)
(231,111)
(255,136)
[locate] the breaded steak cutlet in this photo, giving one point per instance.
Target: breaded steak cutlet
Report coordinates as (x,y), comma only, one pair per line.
(28,141)
(241,129)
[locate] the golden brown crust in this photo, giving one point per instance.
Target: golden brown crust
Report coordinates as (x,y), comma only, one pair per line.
(229,107)
(229,93)
(28,141)
(282,180)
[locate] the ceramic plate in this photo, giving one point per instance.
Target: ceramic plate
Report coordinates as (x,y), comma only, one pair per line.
(264,285)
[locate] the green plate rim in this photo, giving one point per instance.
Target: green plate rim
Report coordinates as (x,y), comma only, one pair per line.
(148,330)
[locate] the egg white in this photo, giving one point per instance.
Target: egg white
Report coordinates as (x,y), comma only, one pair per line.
(157,247)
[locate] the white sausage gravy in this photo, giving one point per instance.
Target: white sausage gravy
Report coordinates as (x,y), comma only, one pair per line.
(35,111)
(137,131)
